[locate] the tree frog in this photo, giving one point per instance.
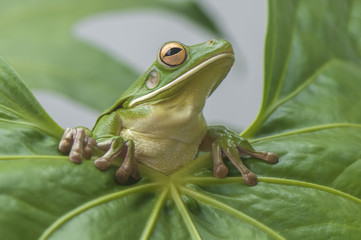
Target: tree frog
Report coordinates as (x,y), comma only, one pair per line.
(159,122)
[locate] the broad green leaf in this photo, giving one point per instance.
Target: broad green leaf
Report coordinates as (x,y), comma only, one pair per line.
(311,119)
(38,39)
(304,40)
(25,127)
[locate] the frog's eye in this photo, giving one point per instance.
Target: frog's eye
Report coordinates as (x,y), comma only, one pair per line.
(172,54)
(153,79)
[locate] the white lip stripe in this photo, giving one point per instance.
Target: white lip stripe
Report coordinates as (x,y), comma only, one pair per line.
(180,78)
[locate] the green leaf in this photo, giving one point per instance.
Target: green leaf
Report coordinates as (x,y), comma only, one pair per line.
(37,37)
(309,116)
(22,119)
(304,40)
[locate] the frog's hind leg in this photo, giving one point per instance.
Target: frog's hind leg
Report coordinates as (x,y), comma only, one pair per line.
(117,147)
(269,157)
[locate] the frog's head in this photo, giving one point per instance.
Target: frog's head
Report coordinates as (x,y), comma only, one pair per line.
(183,74)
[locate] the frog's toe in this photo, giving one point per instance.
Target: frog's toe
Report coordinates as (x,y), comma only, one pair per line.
(77,144)
(135,172)
(250,178)
(122,175)
(87,152)
(76,152)
(65,146)
(220,171)
(102,164)
(66,141)
(271,157)
(88,145)
(75,157)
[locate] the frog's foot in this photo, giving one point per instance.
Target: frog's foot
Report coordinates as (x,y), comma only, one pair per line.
(77,144)
(220,170)
(117,147)
(222,141)
(114,148)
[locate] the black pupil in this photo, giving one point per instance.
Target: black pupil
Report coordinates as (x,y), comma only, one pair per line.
(172,51)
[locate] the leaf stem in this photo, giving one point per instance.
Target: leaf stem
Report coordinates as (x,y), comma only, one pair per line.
(154,215)
(183,211)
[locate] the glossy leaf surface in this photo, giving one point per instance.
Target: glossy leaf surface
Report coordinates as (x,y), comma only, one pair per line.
(310,117)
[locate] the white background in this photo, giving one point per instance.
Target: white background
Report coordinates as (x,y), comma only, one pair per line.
(135,36)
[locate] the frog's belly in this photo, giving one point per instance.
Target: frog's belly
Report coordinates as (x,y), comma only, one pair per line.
(163,154)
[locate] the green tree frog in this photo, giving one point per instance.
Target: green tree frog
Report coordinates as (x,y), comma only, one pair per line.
(159,122)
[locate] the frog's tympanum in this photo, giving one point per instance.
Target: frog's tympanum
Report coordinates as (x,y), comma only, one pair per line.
(159,122)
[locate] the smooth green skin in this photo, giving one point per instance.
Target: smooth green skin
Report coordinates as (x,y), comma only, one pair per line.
(313,122)
(168,129)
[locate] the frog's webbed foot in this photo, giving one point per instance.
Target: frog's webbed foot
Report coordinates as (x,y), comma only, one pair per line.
(77,143)
(226,142)
(117,147)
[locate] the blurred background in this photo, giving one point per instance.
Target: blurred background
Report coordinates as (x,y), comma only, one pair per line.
(135,35)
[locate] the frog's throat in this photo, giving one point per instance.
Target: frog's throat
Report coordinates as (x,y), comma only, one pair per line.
(180,78)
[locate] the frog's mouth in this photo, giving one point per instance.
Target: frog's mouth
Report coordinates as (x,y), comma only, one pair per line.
(182,78)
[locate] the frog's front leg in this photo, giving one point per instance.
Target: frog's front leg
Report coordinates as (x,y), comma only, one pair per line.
(116,147)
(222,141)
(78,143)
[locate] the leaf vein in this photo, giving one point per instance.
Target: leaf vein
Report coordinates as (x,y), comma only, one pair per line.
(231,210)
(309,185)
(307,130)
(95,202)
(300,88)
(21,157)
(273,180)
(327,224)
(154,215)
(183,211)
(28,124)
(289,54)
